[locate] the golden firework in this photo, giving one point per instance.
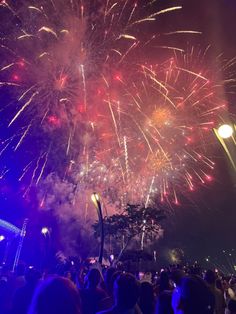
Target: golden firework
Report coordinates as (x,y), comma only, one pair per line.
(159,162)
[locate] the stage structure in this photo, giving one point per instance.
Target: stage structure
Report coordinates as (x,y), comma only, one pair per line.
(11,233)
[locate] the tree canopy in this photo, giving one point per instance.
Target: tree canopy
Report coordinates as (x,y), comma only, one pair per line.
(135,220)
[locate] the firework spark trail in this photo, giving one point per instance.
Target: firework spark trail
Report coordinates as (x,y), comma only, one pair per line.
(33,175)
(23,108)
(69,143)
(153,16)
(84,85)
(45,156)
(132,12)
(149,192)
(25,170)
(114,121)
(126,159)
(128,51)
(22,137)
(6,146)
(3,173)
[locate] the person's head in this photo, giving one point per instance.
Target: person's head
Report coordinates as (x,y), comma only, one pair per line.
(195,270)
(146,295)
(146,290)
(56,295)
(232,306)
(147,277)
(68,275)
(210,277)
(232,282)
(164,281)
(32,276)
(94,277)
(176,276)
(108,279)
(126,291)
(195,296)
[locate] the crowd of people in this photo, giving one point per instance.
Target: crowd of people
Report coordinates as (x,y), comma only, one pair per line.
(112,290)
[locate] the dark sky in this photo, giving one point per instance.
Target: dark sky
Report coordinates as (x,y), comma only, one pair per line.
(210,226)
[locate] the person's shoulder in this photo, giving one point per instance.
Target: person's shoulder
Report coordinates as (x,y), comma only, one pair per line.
(102,292)
(218,291)
(167,293)
(109,311)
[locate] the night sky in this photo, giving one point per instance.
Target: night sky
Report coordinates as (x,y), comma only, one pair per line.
(206,225)
(209,228)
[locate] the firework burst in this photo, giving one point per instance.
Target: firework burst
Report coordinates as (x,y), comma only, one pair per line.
(79,82)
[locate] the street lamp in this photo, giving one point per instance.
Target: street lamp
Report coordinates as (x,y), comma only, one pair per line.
(45,231)
(225,131)
(97,203)
(46,243)
(95,199)
(2,238)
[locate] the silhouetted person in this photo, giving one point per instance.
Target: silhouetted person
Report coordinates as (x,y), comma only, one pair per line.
(147,299)
(92,295)
(176,277)
(108,280)
(195,296)
(109,300)
(231,308)
(6,288)
(210,278)
(164,284)
(20,280)
(163,305)
(23,296)
(4,295)
(232,288)
(56,295)
(219,285)
(126,294)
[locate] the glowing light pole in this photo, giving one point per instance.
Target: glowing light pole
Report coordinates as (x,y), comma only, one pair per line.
(46,233)
(97,203)
(223,133)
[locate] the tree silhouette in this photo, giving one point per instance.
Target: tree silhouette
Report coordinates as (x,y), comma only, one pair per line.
(134,221)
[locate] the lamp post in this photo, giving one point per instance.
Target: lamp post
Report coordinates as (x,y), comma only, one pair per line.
(46,244)
(223,133)
(97,203)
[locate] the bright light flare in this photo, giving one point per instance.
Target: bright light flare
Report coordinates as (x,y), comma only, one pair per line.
(45,231)
(95,199)
(2,238)
(225,131)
